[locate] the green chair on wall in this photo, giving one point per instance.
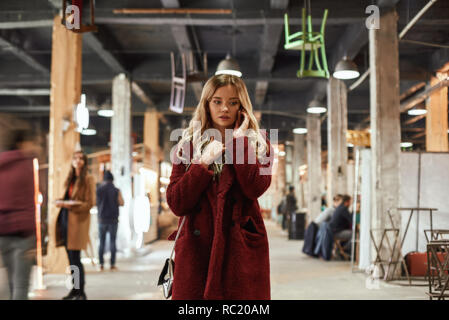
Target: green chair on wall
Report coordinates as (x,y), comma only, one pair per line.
(307,40)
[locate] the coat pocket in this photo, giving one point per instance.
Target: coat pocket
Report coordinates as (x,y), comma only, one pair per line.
(250,232)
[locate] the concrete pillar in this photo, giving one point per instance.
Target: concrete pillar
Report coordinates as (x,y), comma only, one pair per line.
(313,166)
(385,121)
(121,152)
(151,161)
(436,118)
(299,159)
(64,96)
(337,125)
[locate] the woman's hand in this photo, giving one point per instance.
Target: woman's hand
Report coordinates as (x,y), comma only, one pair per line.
(212,151)
(239,131)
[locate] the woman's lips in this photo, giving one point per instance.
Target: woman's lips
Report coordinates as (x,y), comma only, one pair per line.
(224,117)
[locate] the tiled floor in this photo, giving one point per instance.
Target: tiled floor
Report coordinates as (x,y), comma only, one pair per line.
(293,276)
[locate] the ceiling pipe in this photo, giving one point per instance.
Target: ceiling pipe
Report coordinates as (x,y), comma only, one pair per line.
(24,92)
(416,18)
(401,35)
(428,44)
(171,11)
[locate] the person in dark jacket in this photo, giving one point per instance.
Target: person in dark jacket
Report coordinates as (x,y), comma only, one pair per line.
(291,207)
(109,198)
(324,242)
(341,222)
(17,212)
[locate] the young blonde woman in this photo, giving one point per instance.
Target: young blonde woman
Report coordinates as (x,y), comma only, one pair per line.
(222,249)
(74,220)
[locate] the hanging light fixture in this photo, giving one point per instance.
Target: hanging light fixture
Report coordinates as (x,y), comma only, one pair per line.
(346,69)
(316,107)
(88,132)
(418,111)
(105,111)
(300,130)
(406,144)
(229,66)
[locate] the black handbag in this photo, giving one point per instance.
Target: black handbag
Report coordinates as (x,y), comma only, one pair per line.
(166,276)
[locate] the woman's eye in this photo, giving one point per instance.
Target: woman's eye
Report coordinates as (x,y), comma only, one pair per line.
(217,102)
(234,103)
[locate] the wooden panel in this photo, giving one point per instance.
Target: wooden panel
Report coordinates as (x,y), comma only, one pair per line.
(151,161)
(436,120)
(65,94)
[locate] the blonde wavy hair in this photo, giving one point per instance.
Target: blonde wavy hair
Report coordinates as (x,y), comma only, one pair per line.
(195,134)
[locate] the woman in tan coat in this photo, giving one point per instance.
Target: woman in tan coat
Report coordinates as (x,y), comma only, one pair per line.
(74,220)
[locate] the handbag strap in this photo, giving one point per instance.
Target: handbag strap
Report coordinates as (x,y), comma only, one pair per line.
(180,227)
(177,236)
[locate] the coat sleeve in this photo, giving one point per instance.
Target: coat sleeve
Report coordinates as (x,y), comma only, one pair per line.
(89,198)
(186,187)
(254,178)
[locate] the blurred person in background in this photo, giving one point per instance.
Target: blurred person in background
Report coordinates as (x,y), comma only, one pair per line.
(281,208)
(291,207)
(341,222)
(109,198)
(72,227)
(310,236)
(327,214)
(17,210)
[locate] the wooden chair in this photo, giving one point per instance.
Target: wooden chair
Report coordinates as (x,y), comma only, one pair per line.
(338,249)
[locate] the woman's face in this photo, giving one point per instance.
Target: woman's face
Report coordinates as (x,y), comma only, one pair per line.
(78,161)
(224,106)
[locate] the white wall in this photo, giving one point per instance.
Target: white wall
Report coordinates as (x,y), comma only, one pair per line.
(434,188)
(434,193)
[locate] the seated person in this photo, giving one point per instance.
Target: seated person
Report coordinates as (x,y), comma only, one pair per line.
(327,214)
(311,234)
(341,222)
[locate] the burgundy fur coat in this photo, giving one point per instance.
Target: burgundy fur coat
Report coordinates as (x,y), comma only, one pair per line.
(222,250)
